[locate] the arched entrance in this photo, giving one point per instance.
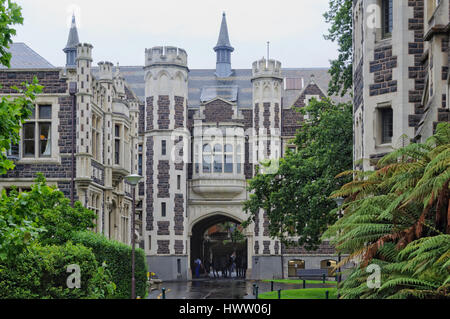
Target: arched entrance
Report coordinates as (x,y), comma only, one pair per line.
(215,240)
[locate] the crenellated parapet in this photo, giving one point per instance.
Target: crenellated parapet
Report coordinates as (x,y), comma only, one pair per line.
(266,68)
(105,71)
(84,51)
(162,55)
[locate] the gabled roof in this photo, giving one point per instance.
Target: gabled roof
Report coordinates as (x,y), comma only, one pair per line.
(23,57)
(312,88)
(228,93)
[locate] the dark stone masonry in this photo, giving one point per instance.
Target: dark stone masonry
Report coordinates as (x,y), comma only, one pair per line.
(163,112)
(382,67)
(163,228)
(179,215)
(163,179)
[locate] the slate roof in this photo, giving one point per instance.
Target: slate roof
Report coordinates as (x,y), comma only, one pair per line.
(205,80)
(73,39)
(23,57)
(224,39)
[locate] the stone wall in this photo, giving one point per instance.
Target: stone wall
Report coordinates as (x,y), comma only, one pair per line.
(163,112)
(382,65)
(418,71)
(149,182)
(218,111)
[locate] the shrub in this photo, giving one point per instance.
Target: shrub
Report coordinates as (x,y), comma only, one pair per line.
(118,258)
(41,272)
(43,214)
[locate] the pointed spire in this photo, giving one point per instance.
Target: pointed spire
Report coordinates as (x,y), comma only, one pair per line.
(71,47)
(73,39)
(224,39)
(223,51)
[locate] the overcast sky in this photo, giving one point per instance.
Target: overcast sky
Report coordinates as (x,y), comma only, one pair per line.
(121,30)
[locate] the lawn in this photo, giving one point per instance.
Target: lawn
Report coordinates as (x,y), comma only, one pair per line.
(311,293)
(298,281)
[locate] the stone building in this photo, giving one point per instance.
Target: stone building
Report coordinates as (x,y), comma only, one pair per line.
(106,125)
(194,135)
(401,75)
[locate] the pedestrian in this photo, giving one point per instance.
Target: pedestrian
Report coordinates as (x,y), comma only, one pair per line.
(232,263)
(198,266)
(238,265)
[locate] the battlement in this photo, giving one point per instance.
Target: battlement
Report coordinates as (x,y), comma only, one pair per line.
(105,71)
(264,68)
(84,51)
(165,55)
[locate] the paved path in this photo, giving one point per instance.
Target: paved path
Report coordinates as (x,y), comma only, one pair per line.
(217,289)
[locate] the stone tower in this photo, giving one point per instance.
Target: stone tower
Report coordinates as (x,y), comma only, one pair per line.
(166,145)
(84,96)
(266,141)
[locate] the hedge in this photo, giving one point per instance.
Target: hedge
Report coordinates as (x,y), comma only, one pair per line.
(118,259)
(41,273)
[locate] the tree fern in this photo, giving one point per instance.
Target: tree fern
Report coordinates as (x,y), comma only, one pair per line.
(397,217)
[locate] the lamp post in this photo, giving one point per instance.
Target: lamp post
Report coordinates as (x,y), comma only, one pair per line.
(339,201)
(133,180)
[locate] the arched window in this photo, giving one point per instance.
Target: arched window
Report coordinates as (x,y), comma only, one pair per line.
(218,164)
(228,158)
(207,158)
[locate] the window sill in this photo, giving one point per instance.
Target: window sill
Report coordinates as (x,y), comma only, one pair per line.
(379,43)
(384,146)
(42,161)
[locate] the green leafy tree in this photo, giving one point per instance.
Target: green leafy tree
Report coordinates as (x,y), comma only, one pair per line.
(397,217)
(340,17)
(13,111)
(11,14)
(296,198)
(44,214)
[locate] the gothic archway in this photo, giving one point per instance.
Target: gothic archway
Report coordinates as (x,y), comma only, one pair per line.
(213,249)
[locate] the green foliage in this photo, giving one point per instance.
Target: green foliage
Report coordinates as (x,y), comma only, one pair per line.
(397,217)
(340,17)
(13,113)
(118,258)
(41,273)
(11,14)
(43,214)
(296,199)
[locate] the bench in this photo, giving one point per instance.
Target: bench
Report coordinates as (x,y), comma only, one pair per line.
(312,273)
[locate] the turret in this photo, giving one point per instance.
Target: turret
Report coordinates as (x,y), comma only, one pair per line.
(165,55)
(223,51)
(105,71)
(167,146)
(267,85)
(119,82)
(264,68)
(71,47)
